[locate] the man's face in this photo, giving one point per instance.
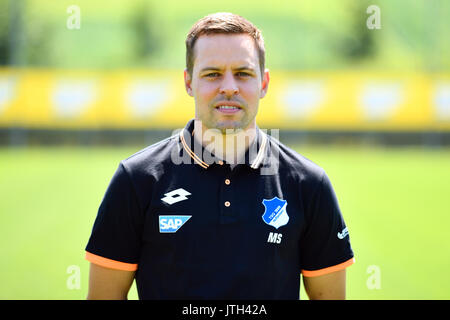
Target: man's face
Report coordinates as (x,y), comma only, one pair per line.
(226,81)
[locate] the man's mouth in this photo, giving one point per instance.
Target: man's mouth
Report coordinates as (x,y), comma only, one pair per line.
(228,108)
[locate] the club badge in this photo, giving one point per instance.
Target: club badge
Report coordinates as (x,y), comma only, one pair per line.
(275,213)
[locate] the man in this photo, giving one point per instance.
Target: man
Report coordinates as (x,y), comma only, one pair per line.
(220,210)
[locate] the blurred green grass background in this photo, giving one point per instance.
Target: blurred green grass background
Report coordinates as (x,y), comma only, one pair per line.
(395,202)
(299,35)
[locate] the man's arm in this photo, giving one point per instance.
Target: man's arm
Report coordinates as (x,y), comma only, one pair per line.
(109,284)
(329,286)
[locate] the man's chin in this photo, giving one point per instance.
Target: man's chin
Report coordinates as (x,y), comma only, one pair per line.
(229,125)
(225,125)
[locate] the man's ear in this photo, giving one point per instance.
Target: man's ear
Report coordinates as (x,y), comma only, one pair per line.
(264,83)
(187,82)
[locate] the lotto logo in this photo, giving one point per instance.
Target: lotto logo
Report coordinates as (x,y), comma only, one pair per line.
(175,196)
(171,224)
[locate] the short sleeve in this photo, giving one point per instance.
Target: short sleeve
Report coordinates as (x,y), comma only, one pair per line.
(325,245)
(115,238)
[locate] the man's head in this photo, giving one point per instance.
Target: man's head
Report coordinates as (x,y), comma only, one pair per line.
(223,23)
(225,71)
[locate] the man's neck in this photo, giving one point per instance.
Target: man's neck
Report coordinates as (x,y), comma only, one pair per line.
(229,146)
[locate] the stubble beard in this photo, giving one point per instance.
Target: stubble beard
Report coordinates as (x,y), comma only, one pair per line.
(229,125)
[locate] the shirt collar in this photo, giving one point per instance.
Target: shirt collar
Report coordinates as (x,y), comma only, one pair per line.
(253,157)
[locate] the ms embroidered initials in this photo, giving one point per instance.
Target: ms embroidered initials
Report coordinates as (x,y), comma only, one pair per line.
(175,196)
(274,237)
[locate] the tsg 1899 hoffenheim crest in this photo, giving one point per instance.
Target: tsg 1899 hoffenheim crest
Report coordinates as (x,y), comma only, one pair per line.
(275,213)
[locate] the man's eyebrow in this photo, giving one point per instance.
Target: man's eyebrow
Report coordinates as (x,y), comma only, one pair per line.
(236,69)
(245,68)
(210,69)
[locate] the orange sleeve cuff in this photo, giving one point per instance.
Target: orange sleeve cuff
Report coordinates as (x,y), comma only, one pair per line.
(321,272)
(111,264)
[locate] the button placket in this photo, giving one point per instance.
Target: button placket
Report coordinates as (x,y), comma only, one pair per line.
(226,195)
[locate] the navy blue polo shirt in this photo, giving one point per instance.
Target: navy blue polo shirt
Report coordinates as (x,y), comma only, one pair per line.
(194,227)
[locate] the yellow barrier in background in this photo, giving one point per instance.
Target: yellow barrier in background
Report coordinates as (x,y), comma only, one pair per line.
(130,99)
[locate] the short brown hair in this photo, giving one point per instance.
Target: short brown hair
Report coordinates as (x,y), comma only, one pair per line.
(223,23)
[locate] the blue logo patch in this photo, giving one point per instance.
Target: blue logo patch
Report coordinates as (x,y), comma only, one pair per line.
(275,213)
(171,224)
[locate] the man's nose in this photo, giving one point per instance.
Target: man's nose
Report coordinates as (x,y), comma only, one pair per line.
(228,86)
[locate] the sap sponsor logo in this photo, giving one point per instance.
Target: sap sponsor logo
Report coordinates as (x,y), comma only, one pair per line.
(171,224)
(274,237)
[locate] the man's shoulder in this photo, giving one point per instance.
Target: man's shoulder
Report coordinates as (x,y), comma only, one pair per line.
(152,156)
(292,162)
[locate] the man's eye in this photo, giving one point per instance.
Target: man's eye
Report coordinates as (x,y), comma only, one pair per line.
(212,75)
(243,74)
